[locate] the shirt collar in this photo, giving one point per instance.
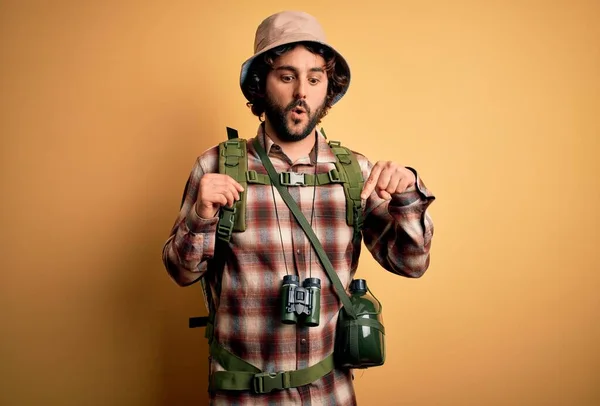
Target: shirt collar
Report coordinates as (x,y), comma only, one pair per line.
(325,154)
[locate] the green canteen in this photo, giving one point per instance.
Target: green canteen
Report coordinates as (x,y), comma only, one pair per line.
(360,342)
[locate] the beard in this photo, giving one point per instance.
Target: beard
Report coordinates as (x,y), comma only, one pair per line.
(277,116)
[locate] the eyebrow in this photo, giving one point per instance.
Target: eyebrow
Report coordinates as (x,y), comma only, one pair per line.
(293,69)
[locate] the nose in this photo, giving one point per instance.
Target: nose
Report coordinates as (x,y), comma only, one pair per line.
(300,91)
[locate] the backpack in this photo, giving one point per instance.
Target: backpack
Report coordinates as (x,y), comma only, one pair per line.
(233,161)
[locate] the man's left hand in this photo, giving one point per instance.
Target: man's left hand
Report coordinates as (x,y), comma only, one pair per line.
(386,179)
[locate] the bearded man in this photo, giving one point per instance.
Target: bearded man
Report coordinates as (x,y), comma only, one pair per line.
(291,82)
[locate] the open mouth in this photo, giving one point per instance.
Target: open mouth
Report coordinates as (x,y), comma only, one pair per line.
(299,110)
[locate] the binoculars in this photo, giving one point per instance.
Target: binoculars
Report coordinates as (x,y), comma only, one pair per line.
(300,302)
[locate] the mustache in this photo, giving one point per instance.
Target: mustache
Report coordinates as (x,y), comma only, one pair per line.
(298,103)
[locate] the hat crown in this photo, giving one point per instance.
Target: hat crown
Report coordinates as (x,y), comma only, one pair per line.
(287,25)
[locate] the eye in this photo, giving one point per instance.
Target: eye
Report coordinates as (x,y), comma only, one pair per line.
(313,81)
(287,78)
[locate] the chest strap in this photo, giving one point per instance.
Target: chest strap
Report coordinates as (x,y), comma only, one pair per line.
(296,179)
(245,376)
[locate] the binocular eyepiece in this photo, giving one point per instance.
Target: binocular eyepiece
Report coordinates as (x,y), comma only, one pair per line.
(302,302)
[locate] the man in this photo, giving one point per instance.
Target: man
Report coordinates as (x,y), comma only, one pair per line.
(290,82)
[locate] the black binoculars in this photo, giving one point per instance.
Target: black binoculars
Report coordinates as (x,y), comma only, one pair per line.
(302,302)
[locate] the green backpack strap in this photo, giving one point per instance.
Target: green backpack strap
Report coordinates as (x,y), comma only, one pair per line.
(350,173)
(233,161)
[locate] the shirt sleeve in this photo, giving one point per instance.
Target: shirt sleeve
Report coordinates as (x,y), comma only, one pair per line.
(192,239)
(398,232)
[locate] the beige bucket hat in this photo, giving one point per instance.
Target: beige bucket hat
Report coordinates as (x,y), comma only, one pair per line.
(288,27)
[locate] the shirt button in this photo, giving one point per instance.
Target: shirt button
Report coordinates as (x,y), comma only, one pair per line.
(298,252)
(303,341)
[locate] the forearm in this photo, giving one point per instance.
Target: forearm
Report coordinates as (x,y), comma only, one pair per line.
(192,239)
(191,244)
(398,232)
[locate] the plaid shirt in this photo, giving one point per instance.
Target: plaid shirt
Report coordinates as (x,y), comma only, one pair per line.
(398,234)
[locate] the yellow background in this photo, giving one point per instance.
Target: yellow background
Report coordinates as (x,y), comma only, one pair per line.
(105,105)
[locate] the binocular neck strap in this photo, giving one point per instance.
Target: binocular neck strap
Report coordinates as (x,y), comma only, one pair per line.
(291,203)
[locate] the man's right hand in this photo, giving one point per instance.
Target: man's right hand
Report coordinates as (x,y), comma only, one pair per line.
(216,190)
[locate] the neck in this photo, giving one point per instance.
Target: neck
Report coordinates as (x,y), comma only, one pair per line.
(293,149)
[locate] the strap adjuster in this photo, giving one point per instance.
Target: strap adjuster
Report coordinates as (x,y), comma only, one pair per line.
(251,176)
(235,142)
(232,152)
(266,382)
(291,179)
(334,176)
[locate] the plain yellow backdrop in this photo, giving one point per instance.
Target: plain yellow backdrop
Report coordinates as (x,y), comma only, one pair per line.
(104,107)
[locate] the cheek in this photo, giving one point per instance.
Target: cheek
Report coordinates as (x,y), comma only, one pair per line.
(277,91)
(319,95)
(317,103)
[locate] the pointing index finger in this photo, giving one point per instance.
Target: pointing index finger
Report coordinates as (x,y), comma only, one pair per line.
(371,182)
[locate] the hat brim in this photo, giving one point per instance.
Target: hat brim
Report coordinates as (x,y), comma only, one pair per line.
(291,40)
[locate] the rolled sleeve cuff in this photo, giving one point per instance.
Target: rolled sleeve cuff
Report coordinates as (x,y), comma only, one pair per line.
(416,193)
(197,225)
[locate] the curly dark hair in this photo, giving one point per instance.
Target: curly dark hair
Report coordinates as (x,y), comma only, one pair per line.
(255,83)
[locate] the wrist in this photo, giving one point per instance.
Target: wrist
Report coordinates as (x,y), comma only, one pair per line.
(204,212)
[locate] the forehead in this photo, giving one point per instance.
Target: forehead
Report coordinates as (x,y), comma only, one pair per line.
(300,58)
